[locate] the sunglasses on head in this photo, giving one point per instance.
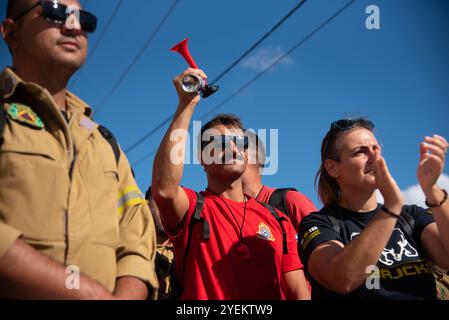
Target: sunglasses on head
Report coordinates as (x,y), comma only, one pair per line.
(223,142)
(348,124)
(344,125)
(58,13)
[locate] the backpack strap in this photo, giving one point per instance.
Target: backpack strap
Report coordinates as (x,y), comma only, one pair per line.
(279,219)
(407,222)
(109,137)
(206,230)
(336,224)
(2,120)
(279,199)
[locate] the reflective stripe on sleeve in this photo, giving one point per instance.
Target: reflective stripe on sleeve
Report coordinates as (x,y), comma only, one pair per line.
(129,197)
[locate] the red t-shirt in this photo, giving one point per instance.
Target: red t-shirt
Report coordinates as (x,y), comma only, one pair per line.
(216,269)
(298,205)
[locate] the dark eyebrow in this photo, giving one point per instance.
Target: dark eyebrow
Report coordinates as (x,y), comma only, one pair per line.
(362,147)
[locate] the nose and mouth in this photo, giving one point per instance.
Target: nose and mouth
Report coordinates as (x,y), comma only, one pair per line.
(231,157)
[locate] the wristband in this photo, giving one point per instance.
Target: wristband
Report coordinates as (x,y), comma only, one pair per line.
(390,213)
(439,204)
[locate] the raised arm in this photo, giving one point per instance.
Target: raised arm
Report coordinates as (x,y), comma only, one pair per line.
(435,237)
(169,162)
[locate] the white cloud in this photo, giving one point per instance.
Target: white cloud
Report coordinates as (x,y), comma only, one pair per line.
(415,195)
(265,57)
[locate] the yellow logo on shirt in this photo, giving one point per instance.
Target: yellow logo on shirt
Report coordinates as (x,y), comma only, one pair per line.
(265,233)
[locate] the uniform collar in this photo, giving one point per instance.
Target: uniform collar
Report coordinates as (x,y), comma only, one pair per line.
(9,81)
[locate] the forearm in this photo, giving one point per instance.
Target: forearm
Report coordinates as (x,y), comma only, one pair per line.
(130,288)
(168,166)
(27,274)
(440,214)
(294,285)
(348,267)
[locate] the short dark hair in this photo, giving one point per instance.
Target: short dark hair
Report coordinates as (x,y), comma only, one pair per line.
(10,8)
(228,120)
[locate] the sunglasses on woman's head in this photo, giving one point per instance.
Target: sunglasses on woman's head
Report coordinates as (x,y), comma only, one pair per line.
(348,124)
(344,125)
(58,13)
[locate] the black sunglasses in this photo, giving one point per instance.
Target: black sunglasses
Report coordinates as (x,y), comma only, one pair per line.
(58,13)
(348,124)
(223,142)
(343,125)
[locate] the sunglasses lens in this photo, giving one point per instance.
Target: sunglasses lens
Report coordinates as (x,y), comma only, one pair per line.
(241,142)
(225,142)
(59,12)
(88,21)
(54,11)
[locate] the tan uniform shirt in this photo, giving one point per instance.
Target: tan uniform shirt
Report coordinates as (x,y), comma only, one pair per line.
(63,193)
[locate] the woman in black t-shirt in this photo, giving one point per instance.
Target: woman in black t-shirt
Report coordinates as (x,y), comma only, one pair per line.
(355,248)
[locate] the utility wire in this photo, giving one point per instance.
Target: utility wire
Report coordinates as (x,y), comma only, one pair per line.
(258,42)
(236,62)
(260,74)
(137,57)
(100,38)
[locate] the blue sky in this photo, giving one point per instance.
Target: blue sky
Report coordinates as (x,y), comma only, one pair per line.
(397,76)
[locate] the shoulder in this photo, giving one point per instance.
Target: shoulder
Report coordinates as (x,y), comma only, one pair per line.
(318,218)
(415,211)
(296,197)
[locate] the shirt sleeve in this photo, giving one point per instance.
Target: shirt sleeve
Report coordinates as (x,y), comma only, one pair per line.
(136,252)
(291,260)
(314,230)
(299,206)
(181,231)
(8,235)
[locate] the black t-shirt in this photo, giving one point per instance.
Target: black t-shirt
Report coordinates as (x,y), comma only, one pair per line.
(403,272)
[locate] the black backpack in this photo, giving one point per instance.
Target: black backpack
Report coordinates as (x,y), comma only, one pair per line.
(279,200)
(2,120)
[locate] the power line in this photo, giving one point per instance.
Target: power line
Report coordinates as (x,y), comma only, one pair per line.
(258,42)
(255,78)
(236,62)
(103,33)
(137,57)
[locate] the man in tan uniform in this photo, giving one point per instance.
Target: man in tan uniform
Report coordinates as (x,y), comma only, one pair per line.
(73,223)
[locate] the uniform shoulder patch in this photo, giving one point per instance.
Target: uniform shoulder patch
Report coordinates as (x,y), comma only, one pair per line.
(24,114)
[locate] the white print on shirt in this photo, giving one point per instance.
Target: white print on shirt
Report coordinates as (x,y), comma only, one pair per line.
(402,247)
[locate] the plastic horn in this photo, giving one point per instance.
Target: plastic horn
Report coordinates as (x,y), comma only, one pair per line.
(192,83)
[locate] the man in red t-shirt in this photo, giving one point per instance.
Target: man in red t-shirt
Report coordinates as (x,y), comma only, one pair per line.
(247,254)
(297,204)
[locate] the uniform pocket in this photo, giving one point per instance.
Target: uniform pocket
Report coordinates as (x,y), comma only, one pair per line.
(111,173)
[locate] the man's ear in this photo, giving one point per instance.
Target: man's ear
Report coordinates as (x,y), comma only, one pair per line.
(331,167)
(8,31)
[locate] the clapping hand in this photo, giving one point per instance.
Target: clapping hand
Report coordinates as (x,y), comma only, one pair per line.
(433,152)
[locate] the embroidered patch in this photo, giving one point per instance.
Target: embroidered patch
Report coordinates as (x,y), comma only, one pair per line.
(264,233)
(25,115)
